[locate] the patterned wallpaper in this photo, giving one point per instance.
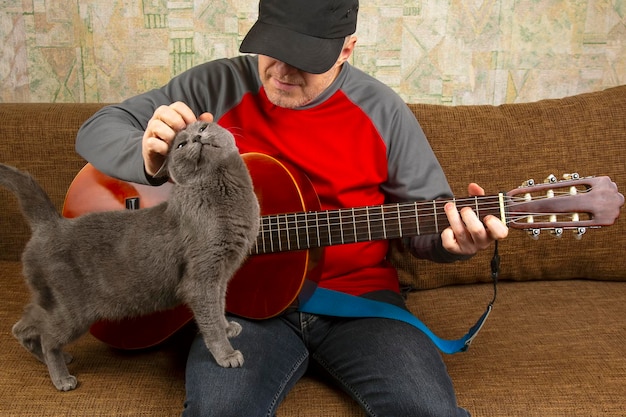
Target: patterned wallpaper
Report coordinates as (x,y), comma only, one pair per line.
(432,51)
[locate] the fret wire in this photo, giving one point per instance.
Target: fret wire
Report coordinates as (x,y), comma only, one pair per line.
(260,236)
(281,228)
(281,232)
(308,237)
(268,233)
(330,235)
(280,237)
(317,227)
(272,234)
(263,240)
(278,233)
(287,231)
(354,224)
(271,237)
(297,230)
(292,233)
(417,219)
(476,207)
(399,219)
(435,214)
(382,216)
(341,228)
(369,229)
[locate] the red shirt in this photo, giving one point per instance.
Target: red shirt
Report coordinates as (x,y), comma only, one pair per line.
(345,159)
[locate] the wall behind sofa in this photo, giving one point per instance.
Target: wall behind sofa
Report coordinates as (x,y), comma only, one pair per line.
(430,51)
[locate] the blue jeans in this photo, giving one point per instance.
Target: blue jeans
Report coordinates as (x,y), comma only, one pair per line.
(389,367)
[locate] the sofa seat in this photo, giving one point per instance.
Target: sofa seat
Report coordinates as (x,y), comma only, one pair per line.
(535,356)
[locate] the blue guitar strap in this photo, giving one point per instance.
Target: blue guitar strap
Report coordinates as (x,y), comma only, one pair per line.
(333,303)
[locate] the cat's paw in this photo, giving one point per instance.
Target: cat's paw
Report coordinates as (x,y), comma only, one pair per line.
(232,360)
(233,329)
(67,383)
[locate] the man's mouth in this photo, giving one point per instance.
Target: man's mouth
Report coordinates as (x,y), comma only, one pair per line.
(284,85)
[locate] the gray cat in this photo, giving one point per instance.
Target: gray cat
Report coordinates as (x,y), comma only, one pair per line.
(118,264)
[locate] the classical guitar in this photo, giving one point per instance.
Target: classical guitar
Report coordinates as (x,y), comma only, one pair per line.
(285,263)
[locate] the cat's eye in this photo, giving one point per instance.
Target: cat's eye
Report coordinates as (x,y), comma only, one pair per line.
(202,128)
(180,145)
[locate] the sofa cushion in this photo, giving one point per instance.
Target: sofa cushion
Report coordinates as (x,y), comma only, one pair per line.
(548,349)
(38,138)
(529,140)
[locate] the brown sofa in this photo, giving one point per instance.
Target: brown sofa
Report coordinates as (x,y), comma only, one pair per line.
(553,346)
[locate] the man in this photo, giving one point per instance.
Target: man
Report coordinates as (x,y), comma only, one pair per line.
(300,100)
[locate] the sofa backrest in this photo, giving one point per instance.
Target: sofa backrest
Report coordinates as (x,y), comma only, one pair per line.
(501,146)
(38,138)
(495,146)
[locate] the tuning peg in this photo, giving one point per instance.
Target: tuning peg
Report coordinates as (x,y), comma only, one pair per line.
(557,232)
(534,233)
(550,179)
(572,176)
(528,183)
(579,232)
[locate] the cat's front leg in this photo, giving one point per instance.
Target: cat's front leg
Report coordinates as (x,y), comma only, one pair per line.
(232,328)
(57,368)
(66,383)
(29,337)
(216,340)
(233,359)
(215,333)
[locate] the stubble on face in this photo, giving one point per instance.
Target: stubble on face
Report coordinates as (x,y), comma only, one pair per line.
(290,87)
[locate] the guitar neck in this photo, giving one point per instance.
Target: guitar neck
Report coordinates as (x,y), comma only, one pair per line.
(306,230)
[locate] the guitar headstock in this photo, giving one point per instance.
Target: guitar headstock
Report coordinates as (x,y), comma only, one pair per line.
(574,203)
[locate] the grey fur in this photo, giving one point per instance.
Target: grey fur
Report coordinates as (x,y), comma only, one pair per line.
(126,263)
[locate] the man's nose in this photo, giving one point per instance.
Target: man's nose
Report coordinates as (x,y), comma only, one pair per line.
(283,68)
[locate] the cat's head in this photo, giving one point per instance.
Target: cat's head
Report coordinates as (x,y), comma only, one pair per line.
(200,147)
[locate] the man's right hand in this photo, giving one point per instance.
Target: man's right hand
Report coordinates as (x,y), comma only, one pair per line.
(162,127)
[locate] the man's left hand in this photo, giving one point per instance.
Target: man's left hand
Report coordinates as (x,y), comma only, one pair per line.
(467,234)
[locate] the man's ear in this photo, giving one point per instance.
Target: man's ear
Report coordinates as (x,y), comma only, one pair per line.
(348,48)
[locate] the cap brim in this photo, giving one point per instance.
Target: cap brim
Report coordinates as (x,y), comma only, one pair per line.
(307,53)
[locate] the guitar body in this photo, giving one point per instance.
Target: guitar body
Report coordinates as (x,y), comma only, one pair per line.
(265,286)
(287,257)
(268,284)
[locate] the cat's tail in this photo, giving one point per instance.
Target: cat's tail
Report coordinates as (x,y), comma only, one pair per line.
(35,203)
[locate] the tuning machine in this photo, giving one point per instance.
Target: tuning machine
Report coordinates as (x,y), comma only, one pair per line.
(550,179)
(534,233)
(557,232)
(579,232)
(572,176)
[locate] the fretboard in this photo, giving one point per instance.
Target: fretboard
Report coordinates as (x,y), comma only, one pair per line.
(305,230)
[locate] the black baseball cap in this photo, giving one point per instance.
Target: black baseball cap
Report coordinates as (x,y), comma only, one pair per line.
(306,34)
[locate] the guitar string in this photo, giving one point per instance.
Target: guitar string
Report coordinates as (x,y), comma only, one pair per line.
(388,211)
(286,226)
